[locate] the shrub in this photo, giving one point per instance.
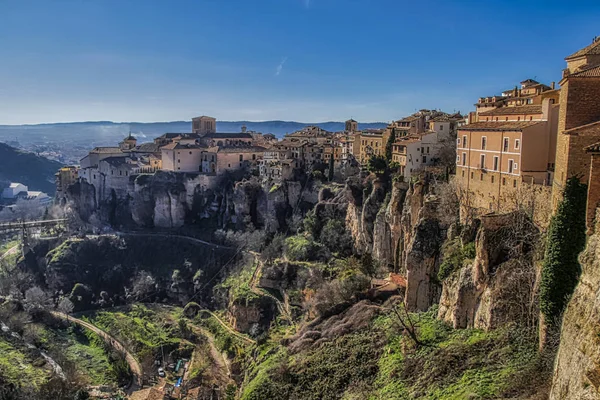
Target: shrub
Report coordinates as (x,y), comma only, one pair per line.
(336,237)
(565,240)
(301,248)
(191,309)
(377,164)
(454,257)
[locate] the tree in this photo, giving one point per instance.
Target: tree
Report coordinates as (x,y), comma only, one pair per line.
(66,306)
(389,147)
(566,239)
(81,296)
(36,297)
(368,265)
(377,164)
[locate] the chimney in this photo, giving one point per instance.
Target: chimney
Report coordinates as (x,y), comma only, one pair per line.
(552,85)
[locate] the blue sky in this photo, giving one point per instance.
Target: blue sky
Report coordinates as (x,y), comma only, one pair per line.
(303,60)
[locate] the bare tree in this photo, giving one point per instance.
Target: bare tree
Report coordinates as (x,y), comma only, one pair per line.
(66,306)
(36,297)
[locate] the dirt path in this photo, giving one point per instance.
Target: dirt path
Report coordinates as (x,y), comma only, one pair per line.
(229,329)
(10,251)
(135,366)
(168,235)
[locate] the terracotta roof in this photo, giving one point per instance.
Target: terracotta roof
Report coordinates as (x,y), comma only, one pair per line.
(591,72)
(147,148)
(528,109)
(241,149)
(178,146)
(499,126)
(106,150)
(595,148)
(218,135)
(582,127)
(592,49)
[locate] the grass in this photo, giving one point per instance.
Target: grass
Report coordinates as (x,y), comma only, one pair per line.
(141,329)
(380,363)
(20,367)
(238,285)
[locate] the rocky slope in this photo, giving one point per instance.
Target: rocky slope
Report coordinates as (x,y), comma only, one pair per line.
(577,367)
(171,200)
(498,286)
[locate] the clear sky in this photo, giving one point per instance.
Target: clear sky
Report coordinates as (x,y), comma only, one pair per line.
(303,60)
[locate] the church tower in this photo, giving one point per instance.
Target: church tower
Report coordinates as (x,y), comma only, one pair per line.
(351,126)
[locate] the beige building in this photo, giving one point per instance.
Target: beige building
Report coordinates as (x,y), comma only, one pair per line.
(65,177)
(182,157)
(579,120)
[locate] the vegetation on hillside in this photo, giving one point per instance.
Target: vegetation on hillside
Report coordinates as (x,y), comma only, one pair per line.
(565,240)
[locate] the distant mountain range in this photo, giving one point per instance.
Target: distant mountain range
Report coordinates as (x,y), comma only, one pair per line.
(27,168)
(102,133)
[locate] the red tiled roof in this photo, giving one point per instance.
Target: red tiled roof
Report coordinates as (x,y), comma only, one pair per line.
(581,128)
(528,109)
(592,72)
(592,49)
(499,126)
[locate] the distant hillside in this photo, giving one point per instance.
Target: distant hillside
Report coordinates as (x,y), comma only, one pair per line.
(27,168)
(90,134)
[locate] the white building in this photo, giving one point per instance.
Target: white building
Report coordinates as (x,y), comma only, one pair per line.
(11,192)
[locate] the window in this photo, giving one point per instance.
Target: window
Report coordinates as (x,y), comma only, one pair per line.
(504,181)
(465,141)
(458,142)
(505,144)
(496,159)
(483,142)
(228,165)
(427,150)
(472,175)
(516,166)
(514,183)
(190,152)
(482,161)
(441,127)
(492,178)
(481,177)
(464,159)
(241,157)
(510,166)
(424,159)
(463,173)
(517,144)
(178,161)
(457,158)
(254,156)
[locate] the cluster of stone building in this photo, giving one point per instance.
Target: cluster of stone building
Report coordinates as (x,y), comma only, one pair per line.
(519,148)
(208,152)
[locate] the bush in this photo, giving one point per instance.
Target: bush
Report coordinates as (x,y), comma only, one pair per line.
(454,256)
(336,237)
(191,309)
(301,248)
(565,240)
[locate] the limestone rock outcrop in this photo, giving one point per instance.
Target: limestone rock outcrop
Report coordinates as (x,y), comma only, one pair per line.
(497,287)
(577,365)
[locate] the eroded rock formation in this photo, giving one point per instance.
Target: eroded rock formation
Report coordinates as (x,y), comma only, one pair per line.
(577,366)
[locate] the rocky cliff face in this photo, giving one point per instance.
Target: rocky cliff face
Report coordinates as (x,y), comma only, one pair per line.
(499,285)
(171,200)
(577,366)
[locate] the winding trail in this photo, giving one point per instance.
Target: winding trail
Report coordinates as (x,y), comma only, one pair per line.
(230,329)
(10,251)
(170,235)
(135,366)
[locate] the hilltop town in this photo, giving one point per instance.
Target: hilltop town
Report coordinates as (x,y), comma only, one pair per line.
(444,256)
(517,149)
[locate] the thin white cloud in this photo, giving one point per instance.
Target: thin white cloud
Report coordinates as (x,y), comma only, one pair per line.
(280,67)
